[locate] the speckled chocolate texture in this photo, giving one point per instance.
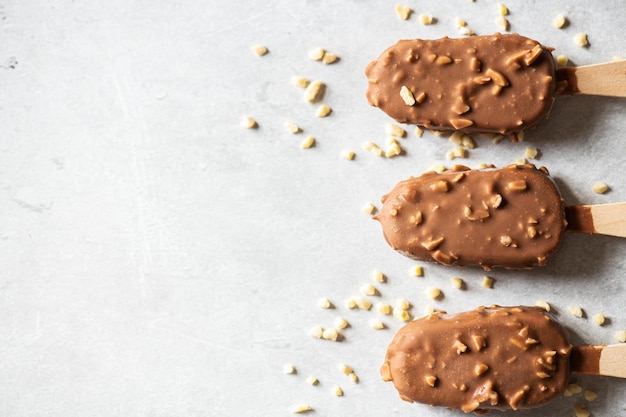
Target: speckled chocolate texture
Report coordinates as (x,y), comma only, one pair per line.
(513,217)
(498,83)
(488,358)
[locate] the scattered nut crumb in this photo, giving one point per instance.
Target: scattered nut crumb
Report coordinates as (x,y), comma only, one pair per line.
(348,154)
(292,127)
(402,304)
(260,50)
(456,137)
(574,388)
(502,9)
(600,187)
(323,110)
(330,334)
(562,60)
(581,412)
(394,130)
(426,19)
(465,31)
(353,377)
(313,91)
(379,276)
(373,148)
(433,293)
(502,23)
(599,319)
(369,289)
(520,161)
(497,139)
(455,153)
(530,153)
(301,82)
(457,282)
(303,408)
(439,133)
(590,395)
(337,391)
(309,142)
(401,315)
(581,39)
(345,369)
(403,12)
(363,303)
(417,271)
(377,324)
(289,369)
(249,123)
(329,58)
(316,54)
(419,132)
(312,380)
(620,336)
(393,148)
(576,311)
(340,323)
(429,310)
(383,308)
(460,22)
(438,168)
(544,305)
(487,282)
(559,22)
(316,332)
(468,142)
(369,208)
(325,303)
(351,304)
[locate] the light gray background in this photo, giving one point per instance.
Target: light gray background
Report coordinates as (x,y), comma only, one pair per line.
(156,259)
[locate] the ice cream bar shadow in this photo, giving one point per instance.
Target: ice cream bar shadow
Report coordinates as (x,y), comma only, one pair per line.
(513,217)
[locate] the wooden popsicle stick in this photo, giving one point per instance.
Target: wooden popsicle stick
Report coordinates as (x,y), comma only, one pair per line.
(603,219)
(607,79)
(607,360)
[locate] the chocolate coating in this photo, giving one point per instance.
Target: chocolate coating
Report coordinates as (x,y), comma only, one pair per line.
(488,358)
(498,83)
(512,217)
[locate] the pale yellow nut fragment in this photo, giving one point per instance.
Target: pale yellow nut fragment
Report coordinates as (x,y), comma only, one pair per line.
(313,90)
(325,303)
(373,148)
(600,187)
(301,82)
(419,132)
(289,369)
(369,289)
(497,139)
(433,293)
(340,323)
(403,12)
(620,336)
(394,131)
(576,311)
(487,282)
(438,168)
(345,369)
(337,391)
(530,153)
(465,31)
(378,276)
(468,142)
(502,9)
(590,395)
(456,137)
(377,324)
(363,303)
(348,154)
(455,153)
(460,22)
(520,161)
(353,377)
(383,308)
(311,380)
(417,271)
(309,142)
(369,208)
(457,282)
(543,304)
(393,149)
(502,23)
(559,21)
(292,127)
(260,50)
(316,54)
(581,412)
(426,19)
(599,319)
(407,96)
(562,60)
(402,304)
(329,58)
(323,110)
(401,315)
(439,133)
(351,304)
(330,334)
(572,389)
(316,332)
(581,39)
(302,408)
(248,122)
